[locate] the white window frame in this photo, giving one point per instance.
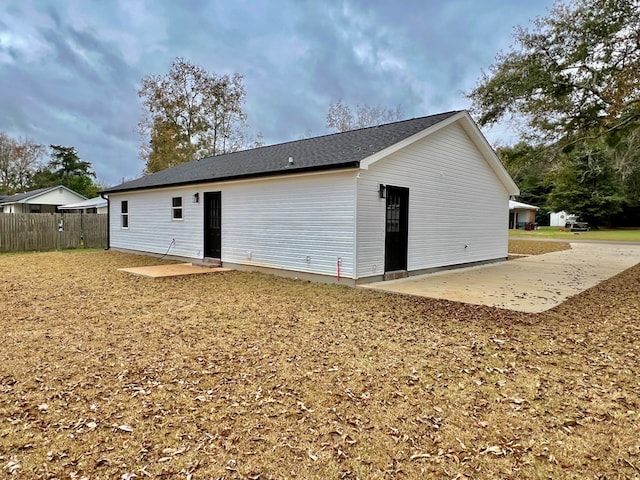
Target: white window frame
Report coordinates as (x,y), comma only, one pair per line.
(177,211)
(124,214)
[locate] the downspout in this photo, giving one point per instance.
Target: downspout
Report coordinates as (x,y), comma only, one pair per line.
(108,220)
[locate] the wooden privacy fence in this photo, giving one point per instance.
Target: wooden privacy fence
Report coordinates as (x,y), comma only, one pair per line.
(42,231)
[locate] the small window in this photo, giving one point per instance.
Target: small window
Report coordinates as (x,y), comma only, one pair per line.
(124,213)
(176,208)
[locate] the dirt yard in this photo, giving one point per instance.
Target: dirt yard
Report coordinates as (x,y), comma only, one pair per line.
(234,375)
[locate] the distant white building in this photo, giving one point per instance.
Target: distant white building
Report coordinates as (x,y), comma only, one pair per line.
(521,213)
(43,200)
(558,219)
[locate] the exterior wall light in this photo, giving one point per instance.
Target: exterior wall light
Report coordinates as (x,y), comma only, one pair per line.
(383,191)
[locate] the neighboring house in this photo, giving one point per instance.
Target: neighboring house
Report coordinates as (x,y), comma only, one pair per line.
(386,201)
(559,219)
(520,214)
(92,205)
(43,200)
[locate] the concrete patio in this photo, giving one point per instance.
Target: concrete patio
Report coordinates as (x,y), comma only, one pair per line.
(529,284)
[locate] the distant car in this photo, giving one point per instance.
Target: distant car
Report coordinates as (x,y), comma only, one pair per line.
(579,227)
(575,224)
(571,219)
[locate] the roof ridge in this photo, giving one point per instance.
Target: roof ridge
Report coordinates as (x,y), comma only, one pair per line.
(450,112)
(330,151)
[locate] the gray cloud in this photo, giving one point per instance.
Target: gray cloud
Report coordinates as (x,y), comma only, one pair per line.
(70,71)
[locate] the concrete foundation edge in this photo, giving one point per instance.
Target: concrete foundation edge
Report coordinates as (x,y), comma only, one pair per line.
(312,277)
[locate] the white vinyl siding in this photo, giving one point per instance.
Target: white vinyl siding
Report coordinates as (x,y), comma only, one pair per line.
(455,200)
(298,223)
(151,227)
(302,223)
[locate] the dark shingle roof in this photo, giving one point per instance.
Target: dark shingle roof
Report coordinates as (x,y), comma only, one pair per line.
(339,150)
(18,197)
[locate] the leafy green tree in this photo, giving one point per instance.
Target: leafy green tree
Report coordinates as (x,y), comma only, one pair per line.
(342,117)
(572,84)
(166,148)
(66,168)
(587,185)
(576,74)
(190,113)
(530,169)
(625,145)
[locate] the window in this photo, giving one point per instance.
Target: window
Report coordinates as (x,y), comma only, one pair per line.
(176,208)
(124,213)
(393,215)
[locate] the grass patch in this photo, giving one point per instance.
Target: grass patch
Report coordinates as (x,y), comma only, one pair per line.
(617,235)
(239,375)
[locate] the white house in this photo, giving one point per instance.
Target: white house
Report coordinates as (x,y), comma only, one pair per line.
(43,200)
(521,213)
(91,205)
(380,202)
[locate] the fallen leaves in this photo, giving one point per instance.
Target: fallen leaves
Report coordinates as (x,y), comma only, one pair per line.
(249,376)
(536,247)
(12,466)
(419,456)
(494,450)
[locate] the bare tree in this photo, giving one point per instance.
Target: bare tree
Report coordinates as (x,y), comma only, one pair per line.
(19,159)
(7,148)
(341,117)
(190,113)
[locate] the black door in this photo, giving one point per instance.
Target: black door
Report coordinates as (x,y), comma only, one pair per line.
(397,229)
(212,224)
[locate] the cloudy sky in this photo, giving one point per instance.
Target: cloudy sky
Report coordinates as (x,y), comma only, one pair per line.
(70,69)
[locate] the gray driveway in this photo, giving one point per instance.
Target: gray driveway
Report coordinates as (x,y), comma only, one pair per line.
(529,284)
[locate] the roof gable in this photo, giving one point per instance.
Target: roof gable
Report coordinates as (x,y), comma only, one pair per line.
(476,136)
(33,194)
(20,197)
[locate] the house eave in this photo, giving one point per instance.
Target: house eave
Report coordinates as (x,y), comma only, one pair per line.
(279,173)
